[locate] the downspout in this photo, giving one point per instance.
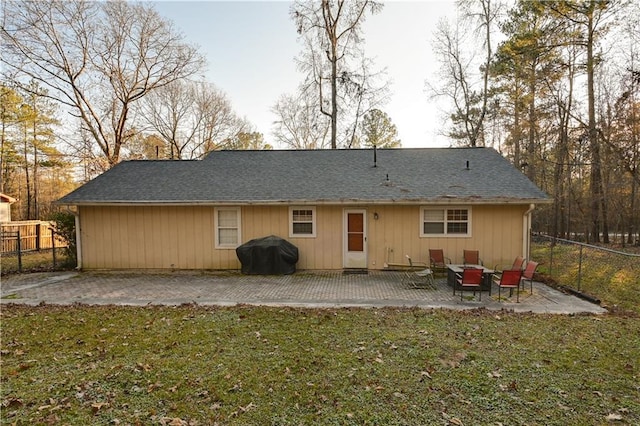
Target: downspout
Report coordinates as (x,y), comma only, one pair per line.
(76,216)
(526,232)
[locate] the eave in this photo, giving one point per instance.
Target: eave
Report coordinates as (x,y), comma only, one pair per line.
(449,200)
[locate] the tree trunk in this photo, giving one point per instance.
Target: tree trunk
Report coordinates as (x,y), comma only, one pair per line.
(595,182)
(26,173)
(334,96)
(531,147)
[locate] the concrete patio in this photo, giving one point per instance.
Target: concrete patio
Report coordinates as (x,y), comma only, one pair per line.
(302,289)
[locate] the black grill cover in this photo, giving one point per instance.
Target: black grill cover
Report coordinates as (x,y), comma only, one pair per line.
(268,256)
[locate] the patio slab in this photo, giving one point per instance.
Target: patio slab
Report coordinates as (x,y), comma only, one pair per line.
(302,289)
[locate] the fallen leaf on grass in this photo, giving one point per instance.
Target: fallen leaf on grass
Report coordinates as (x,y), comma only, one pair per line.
(12,403)
(244,409)
(143,367)
(153,387)
(424,374)
(172,421)
(248,407)
(97,406)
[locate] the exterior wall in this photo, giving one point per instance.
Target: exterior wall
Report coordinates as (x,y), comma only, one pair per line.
(171,237)
(496,233)
(5,212)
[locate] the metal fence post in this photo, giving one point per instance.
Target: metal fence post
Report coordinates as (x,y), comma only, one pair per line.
(579,268)
(19,252)
(551,246)
(53,246)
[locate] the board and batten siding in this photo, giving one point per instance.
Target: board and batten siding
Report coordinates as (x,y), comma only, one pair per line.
(496,233)
(182,237)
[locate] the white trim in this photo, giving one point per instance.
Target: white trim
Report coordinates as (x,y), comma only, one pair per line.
(526,232)
(313,222)
(444,209)
(354,259)
(76,216)
(238,227)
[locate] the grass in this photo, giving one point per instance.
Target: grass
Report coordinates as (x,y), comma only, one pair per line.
(34,261)
(191,365)
(614,279)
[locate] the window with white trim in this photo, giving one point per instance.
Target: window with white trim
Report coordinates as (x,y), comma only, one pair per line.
(446,221)
(227,226)
(302,221)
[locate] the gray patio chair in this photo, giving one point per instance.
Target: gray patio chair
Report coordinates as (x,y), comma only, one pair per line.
(419,278)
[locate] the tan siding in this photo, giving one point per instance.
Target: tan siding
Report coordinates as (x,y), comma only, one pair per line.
(496,233)
(183,237)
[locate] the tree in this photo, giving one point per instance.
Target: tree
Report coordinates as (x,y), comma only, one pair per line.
(247,140)
(37,121)
(459,82)
(378,130)
(483,14)
(33,169)
(526,66)
(10,102)
(192,118)
(298,126)
(590,17)
(96,58)
(332,31)
(147,147)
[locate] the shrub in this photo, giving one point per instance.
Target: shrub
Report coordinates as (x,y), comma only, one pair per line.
(65,227)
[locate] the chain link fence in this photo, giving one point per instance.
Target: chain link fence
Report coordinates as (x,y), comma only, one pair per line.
(609,275)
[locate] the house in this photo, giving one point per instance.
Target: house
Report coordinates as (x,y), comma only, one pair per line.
(5,207)
(354,208)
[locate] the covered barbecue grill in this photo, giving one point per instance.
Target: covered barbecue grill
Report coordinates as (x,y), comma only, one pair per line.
(268,256)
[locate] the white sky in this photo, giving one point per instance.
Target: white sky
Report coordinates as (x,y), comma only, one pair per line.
(250,47)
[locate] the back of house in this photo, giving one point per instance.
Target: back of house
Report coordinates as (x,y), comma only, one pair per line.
(342,208)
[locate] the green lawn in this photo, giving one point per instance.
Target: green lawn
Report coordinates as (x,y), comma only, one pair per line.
(612,278)
(34,261)
(192,365)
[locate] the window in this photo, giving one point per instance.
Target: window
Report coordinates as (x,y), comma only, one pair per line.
(302,221)
(453,222)
(227,225)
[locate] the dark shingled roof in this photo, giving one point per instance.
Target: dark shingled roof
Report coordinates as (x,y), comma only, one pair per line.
(408,175)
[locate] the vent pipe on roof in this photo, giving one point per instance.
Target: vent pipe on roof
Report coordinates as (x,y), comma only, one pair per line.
(467,168)
(375,156)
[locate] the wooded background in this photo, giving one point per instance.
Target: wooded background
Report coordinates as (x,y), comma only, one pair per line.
(552,85)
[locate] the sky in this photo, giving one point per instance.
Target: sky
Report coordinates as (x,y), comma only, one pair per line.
(250,47)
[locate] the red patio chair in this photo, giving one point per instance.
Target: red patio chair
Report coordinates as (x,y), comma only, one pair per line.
(517,264)
(472,279)
(528,272)
(508,279)
(438,261)
(471,257)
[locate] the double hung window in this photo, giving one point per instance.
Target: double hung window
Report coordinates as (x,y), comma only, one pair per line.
(302,221)
(227,226)
(445,221)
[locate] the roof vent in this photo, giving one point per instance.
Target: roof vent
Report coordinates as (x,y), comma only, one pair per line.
(375,156)
(467,168)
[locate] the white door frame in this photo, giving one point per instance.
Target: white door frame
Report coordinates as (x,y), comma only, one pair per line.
(354,259)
